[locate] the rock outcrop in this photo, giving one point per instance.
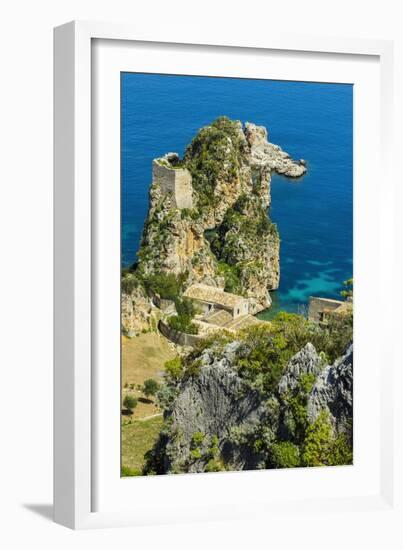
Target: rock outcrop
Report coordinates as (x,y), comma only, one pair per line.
(218,409)
(333,392)
(207,218)
(135,311)
(306,361)
(213,404)
(267,155)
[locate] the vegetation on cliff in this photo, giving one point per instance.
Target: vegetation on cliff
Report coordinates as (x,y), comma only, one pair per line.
(215,154)
(264,384)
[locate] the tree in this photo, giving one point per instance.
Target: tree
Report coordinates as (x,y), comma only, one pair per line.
(167,285)
(185,307)
(150,387)
(318,442)
(130,403)
(183,323)
(174,368)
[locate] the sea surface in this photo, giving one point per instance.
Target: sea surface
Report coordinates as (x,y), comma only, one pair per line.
(313,121)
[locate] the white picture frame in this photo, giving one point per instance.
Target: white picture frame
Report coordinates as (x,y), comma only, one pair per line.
(78,212)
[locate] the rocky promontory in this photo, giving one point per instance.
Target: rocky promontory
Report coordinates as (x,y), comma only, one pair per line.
(208,217)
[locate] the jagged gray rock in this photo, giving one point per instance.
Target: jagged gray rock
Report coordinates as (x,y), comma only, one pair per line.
(266,154)
(213,403)
(218,403)
(333,391)
(306,361)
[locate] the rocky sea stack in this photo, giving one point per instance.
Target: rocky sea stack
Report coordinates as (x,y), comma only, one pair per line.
(208,218)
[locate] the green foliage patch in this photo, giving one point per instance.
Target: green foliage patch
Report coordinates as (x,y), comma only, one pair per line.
(183,323)
(130,402)
(167,285)
(214,153)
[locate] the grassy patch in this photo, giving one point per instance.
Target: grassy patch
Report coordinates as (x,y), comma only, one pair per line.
(138,438)
(143,357)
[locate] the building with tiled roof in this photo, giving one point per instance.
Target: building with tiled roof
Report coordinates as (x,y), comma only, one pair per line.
(210,298)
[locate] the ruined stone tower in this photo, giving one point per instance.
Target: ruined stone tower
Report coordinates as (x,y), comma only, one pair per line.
(176,182)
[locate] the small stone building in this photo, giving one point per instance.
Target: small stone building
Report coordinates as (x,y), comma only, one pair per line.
(210,298)
(321,308)
(176,182)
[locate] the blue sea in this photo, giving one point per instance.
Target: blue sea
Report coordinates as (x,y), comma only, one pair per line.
(314,121)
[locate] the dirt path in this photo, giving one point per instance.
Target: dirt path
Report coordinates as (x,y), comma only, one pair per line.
(148,417)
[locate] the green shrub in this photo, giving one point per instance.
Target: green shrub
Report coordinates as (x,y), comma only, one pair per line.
(263,356)
(284,454)
(341,451)
(196,453)
(231,274)
(214,153)
(322,448)
(130,402)
(150,387)
(174,368)
(183,323)
(197,439)
(167,285)
(166,395)
(189,214)
(318,442)
(129,282)
(185,307)
(306,382)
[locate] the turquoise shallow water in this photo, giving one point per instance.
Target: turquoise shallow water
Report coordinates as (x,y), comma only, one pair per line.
(313,121)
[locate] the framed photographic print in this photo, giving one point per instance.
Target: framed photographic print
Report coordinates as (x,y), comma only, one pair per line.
(221,255)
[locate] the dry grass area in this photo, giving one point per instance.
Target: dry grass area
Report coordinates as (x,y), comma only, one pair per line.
(138,437)
(143,357)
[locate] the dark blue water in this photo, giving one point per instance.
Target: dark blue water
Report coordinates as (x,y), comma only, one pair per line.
(308,120)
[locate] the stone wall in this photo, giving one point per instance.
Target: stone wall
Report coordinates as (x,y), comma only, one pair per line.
(177,183)
(180,338)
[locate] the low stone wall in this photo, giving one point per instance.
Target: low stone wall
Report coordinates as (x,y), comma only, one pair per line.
(180,338)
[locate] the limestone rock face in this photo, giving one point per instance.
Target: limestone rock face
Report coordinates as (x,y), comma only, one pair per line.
(212,404)
(173,243)
(333,391)
(136,312)
(306,361)
(218,404)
